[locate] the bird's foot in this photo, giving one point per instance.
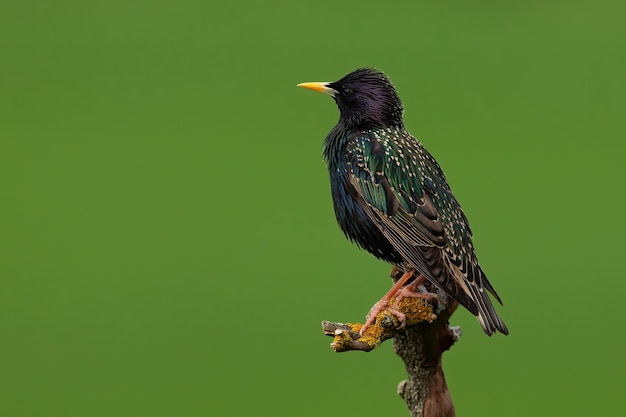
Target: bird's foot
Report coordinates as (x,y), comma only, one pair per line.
(383,304)
(379,307)
(400,316)
(412,291)
(390,303)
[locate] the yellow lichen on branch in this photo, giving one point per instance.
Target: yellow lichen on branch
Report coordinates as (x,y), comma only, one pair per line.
(347,336)
(417,310)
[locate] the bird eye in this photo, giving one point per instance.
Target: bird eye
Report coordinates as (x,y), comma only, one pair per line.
(345,91)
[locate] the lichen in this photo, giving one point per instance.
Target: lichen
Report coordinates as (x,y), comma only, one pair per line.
(341,340)
(356,327)
(416,310)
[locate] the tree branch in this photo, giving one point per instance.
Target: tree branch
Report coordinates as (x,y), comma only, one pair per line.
(420,345)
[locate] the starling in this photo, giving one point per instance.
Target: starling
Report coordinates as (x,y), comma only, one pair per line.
(392,199)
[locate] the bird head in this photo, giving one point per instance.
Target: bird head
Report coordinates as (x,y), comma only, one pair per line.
(366,99)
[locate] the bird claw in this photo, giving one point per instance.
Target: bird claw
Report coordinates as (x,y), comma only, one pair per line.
(371,315)
(412,291)
(400,316)
(409,291)
(381,307)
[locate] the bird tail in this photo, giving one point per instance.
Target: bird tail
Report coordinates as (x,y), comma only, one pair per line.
(489,320)
(479,289)
(464,281)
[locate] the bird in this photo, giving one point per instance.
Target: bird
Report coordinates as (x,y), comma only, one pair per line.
(392,199)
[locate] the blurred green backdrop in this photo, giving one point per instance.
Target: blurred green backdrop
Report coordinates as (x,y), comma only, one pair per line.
(168,243)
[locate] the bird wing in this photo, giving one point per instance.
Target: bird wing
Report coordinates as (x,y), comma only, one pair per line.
(404,192)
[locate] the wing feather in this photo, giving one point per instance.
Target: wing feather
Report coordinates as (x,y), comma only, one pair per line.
(413,207)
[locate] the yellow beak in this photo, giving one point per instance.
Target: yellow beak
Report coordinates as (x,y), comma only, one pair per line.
(320,87)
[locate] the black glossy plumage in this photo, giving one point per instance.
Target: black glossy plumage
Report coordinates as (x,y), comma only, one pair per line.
(392,198)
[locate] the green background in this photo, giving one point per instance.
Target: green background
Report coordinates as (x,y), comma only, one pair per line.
(168,246)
